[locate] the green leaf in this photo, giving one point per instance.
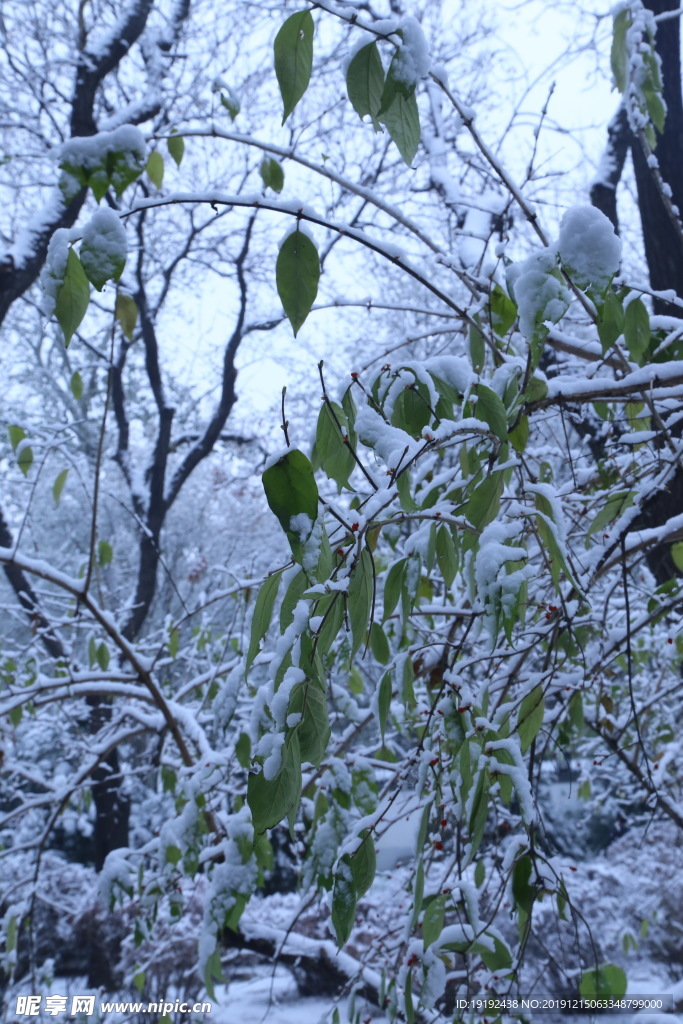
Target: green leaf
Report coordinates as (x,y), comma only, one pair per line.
(479,874)
(72,297)
(16,435)
(331,449)
(619,55)
(677,555)
(482,508)
(603,982)
(614,507)
(363,864)
(272,174)
(637,330)
(477,347)
(536,391)
(530,717)
(155,168)
(523,893)
(212,973)
(76,385)
(384,701)
(103,656)
(490,408)
(25,455)
(520,435)
(292,493)
(293,52)
(58,485)
(503,311)
(173,855)
(310,702)
(610,320)
(432,922)
(139,980)
(243,749)
(360,599)
(271,800)
(446,556)
(365,82)
(123,168)
(263,611)
(343,908)
(297,274)
(479,813)
(126,314)
(104,553)
(379,645)
(393,587)
(174,642)
(402,121)
(176,148)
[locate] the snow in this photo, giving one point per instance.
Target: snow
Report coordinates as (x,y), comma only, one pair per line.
(539,295)
(105,247)
(589,248)
(411,62)
(54,269)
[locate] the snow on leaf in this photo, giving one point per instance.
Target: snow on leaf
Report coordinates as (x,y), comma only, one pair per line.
(104,248)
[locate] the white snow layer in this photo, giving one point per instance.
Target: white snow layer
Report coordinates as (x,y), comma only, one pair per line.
(589,249)
(412,60)
(105,248)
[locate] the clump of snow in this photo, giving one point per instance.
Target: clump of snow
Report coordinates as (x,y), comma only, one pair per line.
(54,269)
(105,247)
(540,297)
(412,61)
(588,247)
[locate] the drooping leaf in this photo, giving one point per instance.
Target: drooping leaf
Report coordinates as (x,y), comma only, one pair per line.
(271,800)
(104,552)
(292,494)
(155,168)
(363,864)
(360,599)
(637,329)
(331,449)
(76,385)
(272,174)
(293,52)
(297,275)
(432,922)
(263,611)
(603,982)
(343,908)
(73,297)
(126,314)
(176,148)
(610,320)
(402,121)
(58,485)
(490,408)
(482,508)
(503,311)
(614,507)
(530,717)
(384,701)
(308,700)
(365,82)
(619,55)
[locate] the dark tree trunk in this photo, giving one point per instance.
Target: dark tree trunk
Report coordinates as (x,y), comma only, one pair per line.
(662,239)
